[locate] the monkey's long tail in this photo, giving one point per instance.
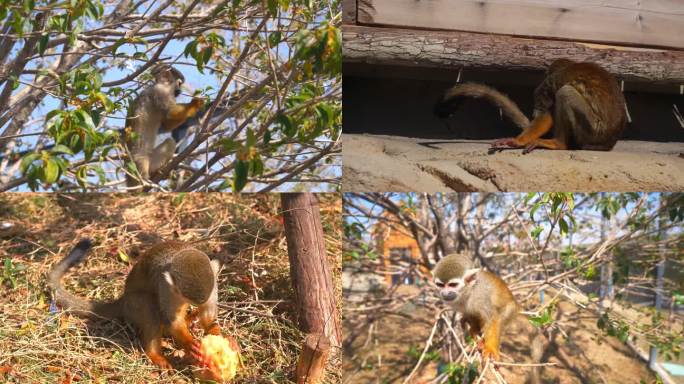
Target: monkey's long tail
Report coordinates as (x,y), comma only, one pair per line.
(66,299)
(452,98)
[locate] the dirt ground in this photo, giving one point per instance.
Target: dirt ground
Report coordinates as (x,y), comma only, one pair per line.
(394,163)
(585,356)
(40,344)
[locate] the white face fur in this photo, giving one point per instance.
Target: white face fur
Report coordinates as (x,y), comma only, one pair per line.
(451,289)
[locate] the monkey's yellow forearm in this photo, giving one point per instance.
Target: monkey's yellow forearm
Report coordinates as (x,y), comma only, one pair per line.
(538,128)
(179,113)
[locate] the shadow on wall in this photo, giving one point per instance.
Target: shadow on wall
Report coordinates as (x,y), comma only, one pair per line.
(399,102)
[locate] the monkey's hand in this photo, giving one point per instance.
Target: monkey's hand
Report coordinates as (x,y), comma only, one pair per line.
(194,350)
(197,103)
(213,329)
(191,317)
(207,368)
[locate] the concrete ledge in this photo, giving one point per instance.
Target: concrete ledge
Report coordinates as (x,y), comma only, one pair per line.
(392,163)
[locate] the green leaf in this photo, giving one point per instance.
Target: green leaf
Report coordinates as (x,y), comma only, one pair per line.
(207,54)
(563,226)
(286,125)
(59,148)
(273,7)
(251,138)
(42,43)
(100,173)
(190,49)
(85,118)
(267,137)
(536,232)
(228,145)
(256,166)
(28,160)
(51,171)
(240,175)
(274,38)
(534,209)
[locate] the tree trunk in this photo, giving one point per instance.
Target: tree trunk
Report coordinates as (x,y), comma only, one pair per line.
(312,282)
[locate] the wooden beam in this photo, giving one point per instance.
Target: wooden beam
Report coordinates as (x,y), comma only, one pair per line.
(652,23)
(454,50)
(349,11)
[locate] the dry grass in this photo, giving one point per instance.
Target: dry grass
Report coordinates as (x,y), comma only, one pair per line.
(256,298)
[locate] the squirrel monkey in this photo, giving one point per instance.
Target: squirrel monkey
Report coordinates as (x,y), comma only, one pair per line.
(581,101)
(154,111)
(161,286)
(486,304)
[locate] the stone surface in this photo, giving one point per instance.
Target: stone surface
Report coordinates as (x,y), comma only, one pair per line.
(393,163)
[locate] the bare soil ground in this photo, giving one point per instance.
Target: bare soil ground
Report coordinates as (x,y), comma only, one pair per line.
(257,304)
(581,354)
(394,163)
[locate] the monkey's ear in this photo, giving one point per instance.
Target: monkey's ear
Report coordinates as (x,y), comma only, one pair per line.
(469,275)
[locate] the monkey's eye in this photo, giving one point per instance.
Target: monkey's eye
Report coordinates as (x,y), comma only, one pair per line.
(439,284)
(452,285)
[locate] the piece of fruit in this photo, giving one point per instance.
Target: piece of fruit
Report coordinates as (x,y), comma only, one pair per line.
(222,356)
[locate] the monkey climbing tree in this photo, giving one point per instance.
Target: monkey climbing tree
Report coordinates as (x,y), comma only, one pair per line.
(549,249)
(70,73)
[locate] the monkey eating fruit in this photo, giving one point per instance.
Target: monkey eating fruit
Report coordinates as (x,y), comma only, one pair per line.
(486,304)
(582,102)
(161,286)
(154,111)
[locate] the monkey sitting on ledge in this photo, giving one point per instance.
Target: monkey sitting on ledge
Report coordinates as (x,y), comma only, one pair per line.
(161,286)
(582,102)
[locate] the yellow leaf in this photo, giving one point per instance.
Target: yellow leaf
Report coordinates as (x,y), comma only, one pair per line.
(123,256)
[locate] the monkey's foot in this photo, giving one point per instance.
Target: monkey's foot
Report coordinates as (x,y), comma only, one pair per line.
(544,143)
(529,148)
(510,142)
(490,353)
(160,361)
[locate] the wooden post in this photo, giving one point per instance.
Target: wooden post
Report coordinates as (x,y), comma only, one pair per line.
(312,360)
(312,282)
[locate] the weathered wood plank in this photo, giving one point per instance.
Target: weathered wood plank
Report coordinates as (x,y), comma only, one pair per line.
(655,23)
(422,48)
(349,11)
